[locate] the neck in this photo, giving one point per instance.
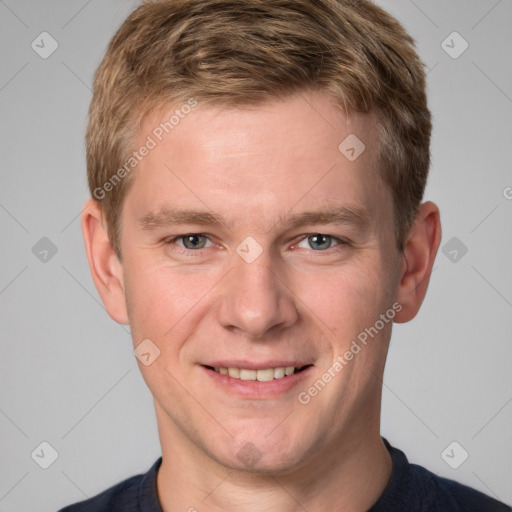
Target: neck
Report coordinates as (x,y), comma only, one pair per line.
(352,474)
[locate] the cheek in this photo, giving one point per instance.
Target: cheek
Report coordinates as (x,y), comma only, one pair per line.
(148,299)
(347,298)
(163,301)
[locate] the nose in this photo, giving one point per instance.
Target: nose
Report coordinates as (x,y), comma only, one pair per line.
(255,299)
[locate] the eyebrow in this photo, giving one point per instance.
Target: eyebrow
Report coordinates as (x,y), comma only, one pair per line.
(342,215)
(166,216)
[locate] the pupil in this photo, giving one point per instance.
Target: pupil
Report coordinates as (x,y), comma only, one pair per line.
(320,241)
(193,241)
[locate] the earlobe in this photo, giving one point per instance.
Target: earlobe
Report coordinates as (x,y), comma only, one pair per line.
(106,270)
(417,261)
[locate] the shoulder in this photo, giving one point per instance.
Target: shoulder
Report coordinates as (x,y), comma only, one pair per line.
(122,496)
(466,498)
(134,494)
(414,488)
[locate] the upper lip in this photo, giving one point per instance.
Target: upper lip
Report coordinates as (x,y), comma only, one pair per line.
(251,365)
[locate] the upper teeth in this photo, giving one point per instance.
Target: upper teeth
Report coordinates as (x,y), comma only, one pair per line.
(263,375)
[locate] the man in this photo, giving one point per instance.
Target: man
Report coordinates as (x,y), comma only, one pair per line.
(257,170)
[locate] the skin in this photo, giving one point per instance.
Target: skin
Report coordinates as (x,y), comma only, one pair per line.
(298,300)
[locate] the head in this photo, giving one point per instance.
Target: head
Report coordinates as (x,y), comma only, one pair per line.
(289,141)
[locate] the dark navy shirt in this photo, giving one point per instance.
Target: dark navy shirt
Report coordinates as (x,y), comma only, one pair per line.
(411,488)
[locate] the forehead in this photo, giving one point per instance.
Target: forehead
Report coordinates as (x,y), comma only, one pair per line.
(282,156)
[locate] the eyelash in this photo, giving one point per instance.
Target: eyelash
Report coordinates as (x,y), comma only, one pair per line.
(171,241)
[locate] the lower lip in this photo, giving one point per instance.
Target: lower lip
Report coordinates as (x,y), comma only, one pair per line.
(256,389)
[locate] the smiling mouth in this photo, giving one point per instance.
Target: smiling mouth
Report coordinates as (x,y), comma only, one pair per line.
(260,375)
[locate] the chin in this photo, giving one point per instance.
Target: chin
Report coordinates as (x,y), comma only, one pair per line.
(264,456)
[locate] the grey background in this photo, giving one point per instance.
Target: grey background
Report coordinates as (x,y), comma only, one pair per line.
(67,373)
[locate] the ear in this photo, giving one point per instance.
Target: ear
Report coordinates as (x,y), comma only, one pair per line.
(106,270)
(417,260)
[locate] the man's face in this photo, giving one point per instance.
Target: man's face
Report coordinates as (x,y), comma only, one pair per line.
(289,255)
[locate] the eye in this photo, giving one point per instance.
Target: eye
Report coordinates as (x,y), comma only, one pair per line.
(192,241)
(319,242)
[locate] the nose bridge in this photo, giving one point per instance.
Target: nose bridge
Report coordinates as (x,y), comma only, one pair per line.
(255,300)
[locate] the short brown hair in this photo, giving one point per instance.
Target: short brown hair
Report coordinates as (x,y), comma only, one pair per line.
(243,52)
